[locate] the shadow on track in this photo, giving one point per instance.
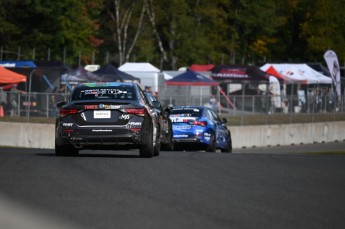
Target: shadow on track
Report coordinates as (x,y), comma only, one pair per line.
(92,155)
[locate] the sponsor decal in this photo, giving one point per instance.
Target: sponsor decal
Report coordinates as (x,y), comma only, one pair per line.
(332,61)
(83,116)
(100,130)
(89,107)
(180,136)
(101,114)
(125,117)
(231,73)
(182,127)
(104,91)
(102,106)
(134,123)
(114,107)
(207,136)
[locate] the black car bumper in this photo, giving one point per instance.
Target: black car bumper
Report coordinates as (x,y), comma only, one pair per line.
(88,141)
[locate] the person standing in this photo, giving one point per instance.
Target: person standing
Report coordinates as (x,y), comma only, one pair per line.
(13,100)
(3,101)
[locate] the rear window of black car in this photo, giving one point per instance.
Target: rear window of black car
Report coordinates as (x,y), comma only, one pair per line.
(121,92)
(186,112)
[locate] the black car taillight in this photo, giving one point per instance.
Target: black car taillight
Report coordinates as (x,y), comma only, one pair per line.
(135,111)
(65,112)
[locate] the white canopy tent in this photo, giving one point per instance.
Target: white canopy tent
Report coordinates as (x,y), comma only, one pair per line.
(138,67)
(149,75)
(297,73)
(142,67)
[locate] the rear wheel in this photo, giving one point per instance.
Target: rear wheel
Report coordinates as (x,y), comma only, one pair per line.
(66,150)
(170,145)
(212,146)
(147,150)
(157,149)
(157,142)
(228,148)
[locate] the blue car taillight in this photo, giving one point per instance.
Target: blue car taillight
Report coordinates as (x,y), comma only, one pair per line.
(199,123)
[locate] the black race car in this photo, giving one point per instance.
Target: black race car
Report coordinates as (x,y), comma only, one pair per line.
(165,125)
(111,115)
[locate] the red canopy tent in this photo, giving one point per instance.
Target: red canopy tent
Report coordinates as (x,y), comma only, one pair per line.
(7,76)
(272,71)
(201,68)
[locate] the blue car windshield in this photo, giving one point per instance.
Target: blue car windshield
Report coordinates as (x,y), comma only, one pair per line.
(186,112)
(121,92)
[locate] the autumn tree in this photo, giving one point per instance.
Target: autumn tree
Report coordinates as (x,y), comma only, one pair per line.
(253,25)
(322,28)
(43,29)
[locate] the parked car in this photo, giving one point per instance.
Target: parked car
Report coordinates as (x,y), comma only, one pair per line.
(110,115)
(165,125)
(200,126)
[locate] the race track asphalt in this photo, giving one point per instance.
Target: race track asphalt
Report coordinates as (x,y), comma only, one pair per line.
(277,187)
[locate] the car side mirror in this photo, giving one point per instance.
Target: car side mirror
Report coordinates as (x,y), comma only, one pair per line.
(60,104)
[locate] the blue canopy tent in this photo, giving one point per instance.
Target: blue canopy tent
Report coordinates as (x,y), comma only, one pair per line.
(17,64)
(192,78)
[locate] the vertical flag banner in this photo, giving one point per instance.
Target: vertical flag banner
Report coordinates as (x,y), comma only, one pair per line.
(333,67)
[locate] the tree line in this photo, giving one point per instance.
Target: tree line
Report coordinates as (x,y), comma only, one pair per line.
(171,33)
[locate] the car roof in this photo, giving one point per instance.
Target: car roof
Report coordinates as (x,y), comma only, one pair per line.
(189,107)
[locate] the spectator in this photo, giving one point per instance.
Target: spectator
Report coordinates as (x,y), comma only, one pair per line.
(3,97)
(148,89)
(13,100)
(53,100)
(212,103)
(3,100)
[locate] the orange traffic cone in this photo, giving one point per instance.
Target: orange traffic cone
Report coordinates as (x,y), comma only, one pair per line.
(2,111)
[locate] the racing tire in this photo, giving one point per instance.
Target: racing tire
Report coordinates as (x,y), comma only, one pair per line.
(157,145)
(148,150)
(157,149)
(228,148)
(170,145)
(66,150)
(212,146)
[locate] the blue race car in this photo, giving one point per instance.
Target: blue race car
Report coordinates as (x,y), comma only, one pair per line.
(199,126)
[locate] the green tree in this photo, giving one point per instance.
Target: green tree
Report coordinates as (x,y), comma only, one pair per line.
(123,21)
(253,26)
(192,31)
(213,29)
(9,26)
(322,28)
(56,26)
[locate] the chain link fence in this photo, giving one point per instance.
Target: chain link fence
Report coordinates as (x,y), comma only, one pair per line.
(239,109)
